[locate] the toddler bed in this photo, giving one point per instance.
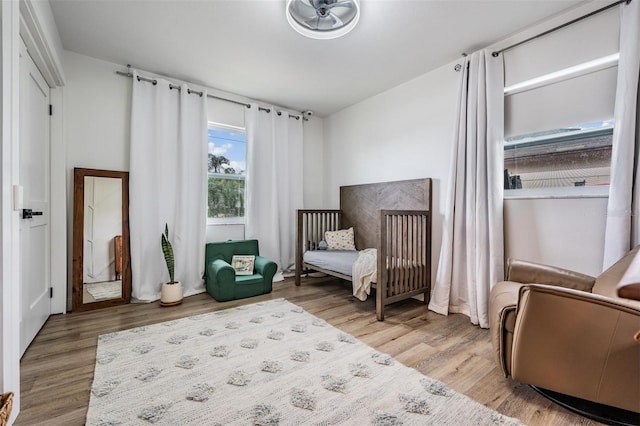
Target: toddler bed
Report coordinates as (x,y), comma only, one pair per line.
(391,223)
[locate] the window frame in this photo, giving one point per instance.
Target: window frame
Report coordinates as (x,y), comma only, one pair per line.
(236,220)
(601,191)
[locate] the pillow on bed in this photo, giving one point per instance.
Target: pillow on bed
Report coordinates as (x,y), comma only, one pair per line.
(340,240)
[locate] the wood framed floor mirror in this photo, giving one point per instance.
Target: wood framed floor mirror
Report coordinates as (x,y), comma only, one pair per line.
(101,259)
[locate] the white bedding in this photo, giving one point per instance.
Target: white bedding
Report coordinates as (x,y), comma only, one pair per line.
(365,269)
(361,266)
(334,260)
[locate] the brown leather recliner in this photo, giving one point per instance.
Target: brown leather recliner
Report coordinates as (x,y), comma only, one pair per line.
(569,332)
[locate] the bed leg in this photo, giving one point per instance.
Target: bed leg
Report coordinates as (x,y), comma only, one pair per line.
(379,299)
(379,307)
(298,270)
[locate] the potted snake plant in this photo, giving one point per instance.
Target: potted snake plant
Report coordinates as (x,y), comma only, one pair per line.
(171,292)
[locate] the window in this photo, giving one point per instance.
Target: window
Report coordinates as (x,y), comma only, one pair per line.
(544,147)
(227,161)
(566,157)
(559,103)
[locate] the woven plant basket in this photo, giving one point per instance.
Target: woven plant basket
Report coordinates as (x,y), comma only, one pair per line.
(6,402)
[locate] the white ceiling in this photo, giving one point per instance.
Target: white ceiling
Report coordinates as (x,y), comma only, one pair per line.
(247,47)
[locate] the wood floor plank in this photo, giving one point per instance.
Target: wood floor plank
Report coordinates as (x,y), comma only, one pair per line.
(57,369)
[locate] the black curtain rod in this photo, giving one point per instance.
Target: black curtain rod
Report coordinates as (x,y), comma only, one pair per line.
(172,86)
(595,12)
(268,110)
(194,92)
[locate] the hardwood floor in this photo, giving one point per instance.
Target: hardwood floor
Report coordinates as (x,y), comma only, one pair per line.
(57,369)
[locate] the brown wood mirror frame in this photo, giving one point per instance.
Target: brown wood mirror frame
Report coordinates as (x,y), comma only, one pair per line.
(118,244)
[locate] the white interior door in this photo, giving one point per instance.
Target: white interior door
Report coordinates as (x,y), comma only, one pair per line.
(35,282)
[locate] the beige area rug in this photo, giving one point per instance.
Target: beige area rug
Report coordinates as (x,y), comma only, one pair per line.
(105,290)
(269,363)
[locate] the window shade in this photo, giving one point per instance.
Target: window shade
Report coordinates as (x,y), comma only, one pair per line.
(583,99)
(591,38)
(219,111)
(578,100)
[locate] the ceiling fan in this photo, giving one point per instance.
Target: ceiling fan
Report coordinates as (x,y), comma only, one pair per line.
(323,19)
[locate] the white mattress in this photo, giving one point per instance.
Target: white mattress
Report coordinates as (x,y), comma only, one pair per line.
(333,260)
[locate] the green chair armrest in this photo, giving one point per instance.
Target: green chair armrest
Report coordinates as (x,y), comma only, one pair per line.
(220,271)
(220,280)
(265,267)
(219,265)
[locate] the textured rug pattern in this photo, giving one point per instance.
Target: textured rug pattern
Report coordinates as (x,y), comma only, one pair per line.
(269,363)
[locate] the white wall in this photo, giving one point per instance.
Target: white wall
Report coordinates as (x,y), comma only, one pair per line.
(97,106)
(564,232)
(313,152)
(403,133)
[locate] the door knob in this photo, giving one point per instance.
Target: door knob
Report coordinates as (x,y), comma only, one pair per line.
(29,214)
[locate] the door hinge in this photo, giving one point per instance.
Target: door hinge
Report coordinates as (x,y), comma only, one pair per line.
(50,109)
(50,292)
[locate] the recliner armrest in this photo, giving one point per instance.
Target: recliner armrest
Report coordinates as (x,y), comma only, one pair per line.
(502,317)
(530,272)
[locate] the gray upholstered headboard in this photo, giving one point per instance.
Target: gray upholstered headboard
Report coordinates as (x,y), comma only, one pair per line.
(360,204)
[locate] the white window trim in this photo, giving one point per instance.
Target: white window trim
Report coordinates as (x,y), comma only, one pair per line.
(556,193)
(211,221)
(586,132)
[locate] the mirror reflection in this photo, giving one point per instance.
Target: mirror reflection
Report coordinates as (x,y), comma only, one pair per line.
(101,263)
(102,257)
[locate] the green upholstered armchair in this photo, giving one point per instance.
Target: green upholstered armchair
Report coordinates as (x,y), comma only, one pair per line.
(221,280)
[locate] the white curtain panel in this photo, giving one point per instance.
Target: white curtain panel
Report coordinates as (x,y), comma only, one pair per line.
(274,182)
(472,252)
(167,184)
(623,220)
